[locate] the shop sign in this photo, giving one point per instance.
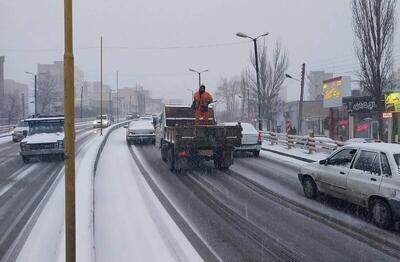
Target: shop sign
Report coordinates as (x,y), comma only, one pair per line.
(344,122)
(334,90)
(360,105)
(362,127)
(387,115)
(392,102)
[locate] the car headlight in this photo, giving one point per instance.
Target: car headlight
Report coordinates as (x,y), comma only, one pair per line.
(13,132)
(24,146)
(94,122)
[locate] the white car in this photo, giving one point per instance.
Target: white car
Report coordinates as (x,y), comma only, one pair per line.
(45,138)
(251,138)
(365,174)
(140,131)
(20,131)
(102,121)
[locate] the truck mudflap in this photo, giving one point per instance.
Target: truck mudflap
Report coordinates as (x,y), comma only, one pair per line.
(223,159)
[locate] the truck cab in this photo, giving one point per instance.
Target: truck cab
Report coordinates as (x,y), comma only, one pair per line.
(45,138)
(182,143)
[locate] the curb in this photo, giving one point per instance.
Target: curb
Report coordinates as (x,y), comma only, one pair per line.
(289,155)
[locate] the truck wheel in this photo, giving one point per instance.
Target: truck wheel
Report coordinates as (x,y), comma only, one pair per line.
(171,158)
(381,214)
(25,159)
(256,153)
(163,153)
(309,188)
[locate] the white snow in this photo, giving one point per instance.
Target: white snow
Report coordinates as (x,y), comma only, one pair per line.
(131,224)
(5,139)
(316,156)
(141,125)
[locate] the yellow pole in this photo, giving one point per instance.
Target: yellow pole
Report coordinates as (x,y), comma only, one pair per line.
(69,129)
(101,85)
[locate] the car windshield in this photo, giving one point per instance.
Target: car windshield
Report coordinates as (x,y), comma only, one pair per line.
(101,117)
(37,127)
(22,124)
(248,127)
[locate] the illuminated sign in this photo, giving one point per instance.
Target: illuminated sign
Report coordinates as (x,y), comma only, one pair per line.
(387,115)
(360,104)
(334,90)
(392,102)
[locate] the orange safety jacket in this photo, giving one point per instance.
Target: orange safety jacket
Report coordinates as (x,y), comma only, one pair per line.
(202,101)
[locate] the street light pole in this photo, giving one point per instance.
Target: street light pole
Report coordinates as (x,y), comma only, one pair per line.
(81,101)
(101,85)
(199,73)
(254,39)
(69,127)
(35,94)
(117,100)
(301,102)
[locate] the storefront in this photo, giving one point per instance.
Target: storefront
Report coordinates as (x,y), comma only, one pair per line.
(392,115)
(362,117)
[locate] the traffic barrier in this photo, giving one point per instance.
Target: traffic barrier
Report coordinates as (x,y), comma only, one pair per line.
(311,145)
(290,141)
(273,138)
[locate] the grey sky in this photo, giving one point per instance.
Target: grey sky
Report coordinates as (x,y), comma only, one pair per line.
(317,32)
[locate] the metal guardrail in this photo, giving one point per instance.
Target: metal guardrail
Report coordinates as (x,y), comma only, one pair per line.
(308,143)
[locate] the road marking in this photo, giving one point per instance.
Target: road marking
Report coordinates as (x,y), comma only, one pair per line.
(15,177)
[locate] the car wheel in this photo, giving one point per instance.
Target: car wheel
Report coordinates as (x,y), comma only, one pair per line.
(25,159)
(381,214)
(256,153)
(309,188)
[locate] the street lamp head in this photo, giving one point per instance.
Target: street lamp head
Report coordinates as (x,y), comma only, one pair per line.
(239,34)
(204,71)
(263,35)
(288,76)
(192,70)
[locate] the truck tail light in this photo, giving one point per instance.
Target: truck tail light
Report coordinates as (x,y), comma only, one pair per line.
(183,154)
(259,138)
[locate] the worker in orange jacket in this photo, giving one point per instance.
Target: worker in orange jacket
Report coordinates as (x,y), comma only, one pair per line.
(201,100)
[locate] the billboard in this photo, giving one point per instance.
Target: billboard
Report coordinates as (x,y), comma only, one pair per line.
(392,102)
(360,104)
(334,90)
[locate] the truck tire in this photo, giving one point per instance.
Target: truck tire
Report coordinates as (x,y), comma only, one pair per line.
(171,158)
(25,159)
(223,159)
(164,152)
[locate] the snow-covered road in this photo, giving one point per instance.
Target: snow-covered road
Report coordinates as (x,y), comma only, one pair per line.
(130,222)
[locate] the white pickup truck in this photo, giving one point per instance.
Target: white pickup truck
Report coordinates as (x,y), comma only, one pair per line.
(45,138)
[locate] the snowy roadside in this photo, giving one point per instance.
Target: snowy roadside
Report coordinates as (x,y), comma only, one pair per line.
(50,223)
(131,224)
(294,153)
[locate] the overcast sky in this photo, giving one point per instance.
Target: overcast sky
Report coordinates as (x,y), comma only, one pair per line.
(154,42)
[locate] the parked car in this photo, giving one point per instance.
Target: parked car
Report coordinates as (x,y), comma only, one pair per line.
(251,138)
(359,140)
(140,131)
(364,174)
(45,138)
(102,121)
(20,131)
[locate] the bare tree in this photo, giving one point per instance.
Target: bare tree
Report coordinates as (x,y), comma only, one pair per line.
(12,107)
(272,75)
(48,93)
(374,23)
(226,93)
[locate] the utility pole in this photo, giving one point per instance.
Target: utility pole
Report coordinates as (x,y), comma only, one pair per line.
(35,94)
(117,100)
(101,85)
(258,85)
(130,103)
(300,123)
(199,79)
(69,127)
(23,105)
(82,101)
(110,110)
